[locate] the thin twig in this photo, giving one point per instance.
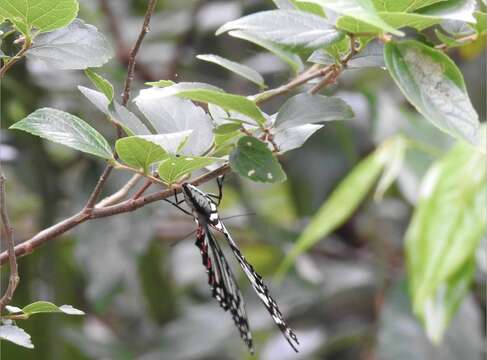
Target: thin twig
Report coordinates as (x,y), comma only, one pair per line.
(9,239)
(3,70)
(135,50)
(467,38)
(126,94)
(129,205)
(138,200)
(98,188)
(120,194)
(142,190)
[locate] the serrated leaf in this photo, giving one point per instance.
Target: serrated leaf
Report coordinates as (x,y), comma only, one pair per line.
(362,10)
(402,5)
(66,129)
(288,139)
(15,335)
(172,143)
(239,69)
(397,151)
(431,81)
(70,310)
(461,10)
(289,28)
(170,114)
(43,15)
(342,202)
(207,94)
(227,128)
(160,83)
(253,159)
(13,309)
(371,56)
(396,20)
(100,83)
(175,167)
(139,153)
(78,46)
(445,231)
(481,24)
(293,60)
(320,56)
(449,41)
(131,124)
(39,307)
(305,108)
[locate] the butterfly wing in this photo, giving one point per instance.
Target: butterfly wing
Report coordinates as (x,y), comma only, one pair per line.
(222,282)
(259,286)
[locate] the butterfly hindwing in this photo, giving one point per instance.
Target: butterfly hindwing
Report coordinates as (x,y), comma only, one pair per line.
(222,282)
(260,288)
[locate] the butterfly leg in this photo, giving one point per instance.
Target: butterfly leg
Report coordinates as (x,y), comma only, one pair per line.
(218,198)
(177,202)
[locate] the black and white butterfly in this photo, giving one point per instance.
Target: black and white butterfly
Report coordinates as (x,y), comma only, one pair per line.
(220,277)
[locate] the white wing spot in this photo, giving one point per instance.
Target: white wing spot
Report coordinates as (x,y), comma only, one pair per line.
(189,159)
(173,164)
(249,143)
(269,176)
(251,172)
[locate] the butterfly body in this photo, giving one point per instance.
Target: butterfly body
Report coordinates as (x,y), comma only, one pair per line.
(220,277)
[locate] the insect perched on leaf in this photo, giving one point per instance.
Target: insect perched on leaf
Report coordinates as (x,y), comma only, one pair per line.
(220,277)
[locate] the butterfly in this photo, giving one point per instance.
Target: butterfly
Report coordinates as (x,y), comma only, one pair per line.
(224,288)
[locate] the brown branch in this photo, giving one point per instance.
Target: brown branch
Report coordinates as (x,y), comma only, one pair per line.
(466,39)
(129,205)
(126,94)
(9,239)
(120,194)
(26,46)
(122,51)
(138,200)
(98,188)
(142,190)
(133,53)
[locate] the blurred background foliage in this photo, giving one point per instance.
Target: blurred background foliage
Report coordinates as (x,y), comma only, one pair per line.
(139,277)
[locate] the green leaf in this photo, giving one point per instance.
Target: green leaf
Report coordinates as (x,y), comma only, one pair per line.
(139,153)
(461,10)
(239,69)
(15,335)
(227,128)
(450,41)
(293,60)
(481,24)
(396,20)
(289,28)
(100,83)
(362,10)
(160,83)
(397,152)
(305,109)
(341,204)
(66,129)
(176,167)
(39,307)
(447,226)
(431,81)
(213,95)
(77,46)
(253,159)
(43,15)
(402,5)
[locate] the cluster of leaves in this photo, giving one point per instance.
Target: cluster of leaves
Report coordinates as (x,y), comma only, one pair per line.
(177,137)
(11,332)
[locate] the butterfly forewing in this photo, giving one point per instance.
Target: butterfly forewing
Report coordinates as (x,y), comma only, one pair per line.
(205,212)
